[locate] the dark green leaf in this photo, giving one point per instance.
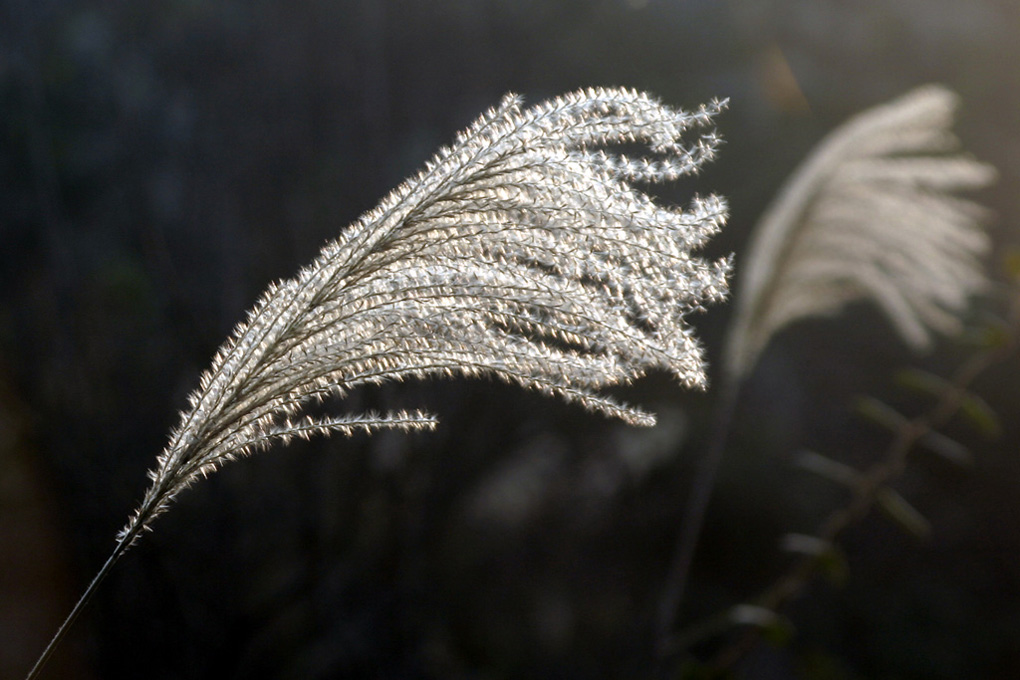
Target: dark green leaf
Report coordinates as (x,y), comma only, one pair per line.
(880,413)
(903,513)
(926,383)
(774,627)
(950,449)
(994,336)
(1011,263)
(978,413)
(830,560)
(827,468)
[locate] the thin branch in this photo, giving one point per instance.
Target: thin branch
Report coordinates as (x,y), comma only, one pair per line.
(866,492)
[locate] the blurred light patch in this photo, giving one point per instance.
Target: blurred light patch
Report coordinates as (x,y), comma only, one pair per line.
(517,490)
(779,84)
(643,449)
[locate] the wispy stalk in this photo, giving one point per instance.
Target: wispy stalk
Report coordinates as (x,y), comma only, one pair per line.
(524,251)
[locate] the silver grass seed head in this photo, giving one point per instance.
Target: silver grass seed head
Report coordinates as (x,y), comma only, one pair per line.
(525,251)
(873,213)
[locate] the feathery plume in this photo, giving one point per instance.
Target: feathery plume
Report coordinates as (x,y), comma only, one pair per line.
(522,251)
(870,214)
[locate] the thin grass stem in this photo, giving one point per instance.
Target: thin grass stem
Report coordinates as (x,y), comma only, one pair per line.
(122,547)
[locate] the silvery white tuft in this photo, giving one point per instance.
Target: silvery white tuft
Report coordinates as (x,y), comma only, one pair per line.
(870,214)
(523,251)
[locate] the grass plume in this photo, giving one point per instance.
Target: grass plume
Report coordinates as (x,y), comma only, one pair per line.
(871,214)
(525,251)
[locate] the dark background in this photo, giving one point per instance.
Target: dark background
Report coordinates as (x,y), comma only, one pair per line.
(161,162)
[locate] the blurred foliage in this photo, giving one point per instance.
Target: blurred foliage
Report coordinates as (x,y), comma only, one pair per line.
(161,162)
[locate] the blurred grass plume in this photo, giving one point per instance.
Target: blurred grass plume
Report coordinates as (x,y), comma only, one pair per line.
(871,214)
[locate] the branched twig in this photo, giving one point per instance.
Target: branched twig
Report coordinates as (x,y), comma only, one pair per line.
(866,491)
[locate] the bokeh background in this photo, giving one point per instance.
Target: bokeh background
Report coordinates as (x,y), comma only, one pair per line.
(161,162)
